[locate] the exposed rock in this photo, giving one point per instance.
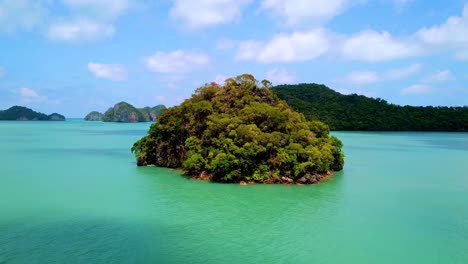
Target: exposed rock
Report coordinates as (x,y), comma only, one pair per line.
(124,112)
(127,113)
(303,180)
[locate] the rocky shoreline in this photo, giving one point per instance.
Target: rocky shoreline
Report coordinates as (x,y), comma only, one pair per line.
(305,180)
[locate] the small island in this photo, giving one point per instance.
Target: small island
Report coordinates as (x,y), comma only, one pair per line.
(240,132)
(21,113)
(94,116)
(124,112)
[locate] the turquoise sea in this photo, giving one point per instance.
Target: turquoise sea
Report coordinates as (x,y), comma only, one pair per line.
(70,193)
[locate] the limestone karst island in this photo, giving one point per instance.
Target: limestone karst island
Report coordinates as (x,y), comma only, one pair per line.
(124,112)
(240,132)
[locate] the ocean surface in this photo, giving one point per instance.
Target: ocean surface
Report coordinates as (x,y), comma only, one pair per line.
(70,192)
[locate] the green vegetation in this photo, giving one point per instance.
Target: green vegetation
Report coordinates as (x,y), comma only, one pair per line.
(25,114)
(125,112)
(240,132)
(357,112)
(94,116)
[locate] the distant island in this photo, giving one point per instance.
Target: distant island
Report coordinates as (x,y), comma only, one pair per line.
(126,113)
(22,113)
(240,132)
(357,112)
(94,116)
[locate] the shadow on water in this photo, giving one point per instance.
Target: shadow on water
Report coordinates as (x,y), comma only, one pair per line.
(77,241)
(109,152)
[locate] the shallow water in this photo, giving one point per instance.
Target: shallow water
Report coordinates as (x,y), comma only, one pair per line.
(70,193)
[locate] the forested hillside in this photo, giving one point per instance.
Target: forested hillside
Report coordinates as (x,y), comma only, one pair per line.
(357,112)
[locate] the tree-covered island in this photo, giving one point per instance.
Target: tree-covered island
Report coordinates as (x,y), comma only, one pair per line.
(124,112)
(240,132)
(22,113)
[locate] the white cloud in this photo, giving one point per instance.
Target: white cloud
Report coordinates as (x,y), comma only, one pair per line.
(206,13)
(176,62)
(305,12)
(97,8)
(297,46)
(362,77)
(400,73)
(416,89)
(368,77)
(22,14)
(376,46)
(280,76)
(443,76)
(28,93)
(453,32)
(115,72)
(449,36)
(369,46)
(80,30)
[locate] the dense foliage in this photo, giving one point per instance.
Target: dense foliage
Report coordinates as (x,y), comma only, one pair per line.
(24,113)
(357,112)
(240,132)
(125,112)
(94,116)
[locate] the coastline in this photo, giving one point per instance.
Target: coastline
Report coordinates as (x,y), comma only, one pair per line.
(305,180)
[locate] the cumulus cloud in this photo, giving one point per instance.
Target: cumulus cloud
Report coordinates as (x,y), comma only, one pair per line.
(114,72)
(306,12)
(206,13)
(176,62)
(376,46)
(22,14)
(28,95)
(453,32)
(416,89)
(79,30)
(451,35)
(280,76)
(443,76)
(293,47)
(368,77)
(369,46)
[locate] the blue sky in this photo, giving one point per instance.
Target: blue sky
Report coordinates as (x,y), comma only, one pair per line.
(75,56)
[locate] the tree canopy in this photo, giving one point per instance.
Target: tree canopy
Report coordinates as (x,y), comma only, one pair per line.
(240,131)
(125,112)
(357,112)
(24,113)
